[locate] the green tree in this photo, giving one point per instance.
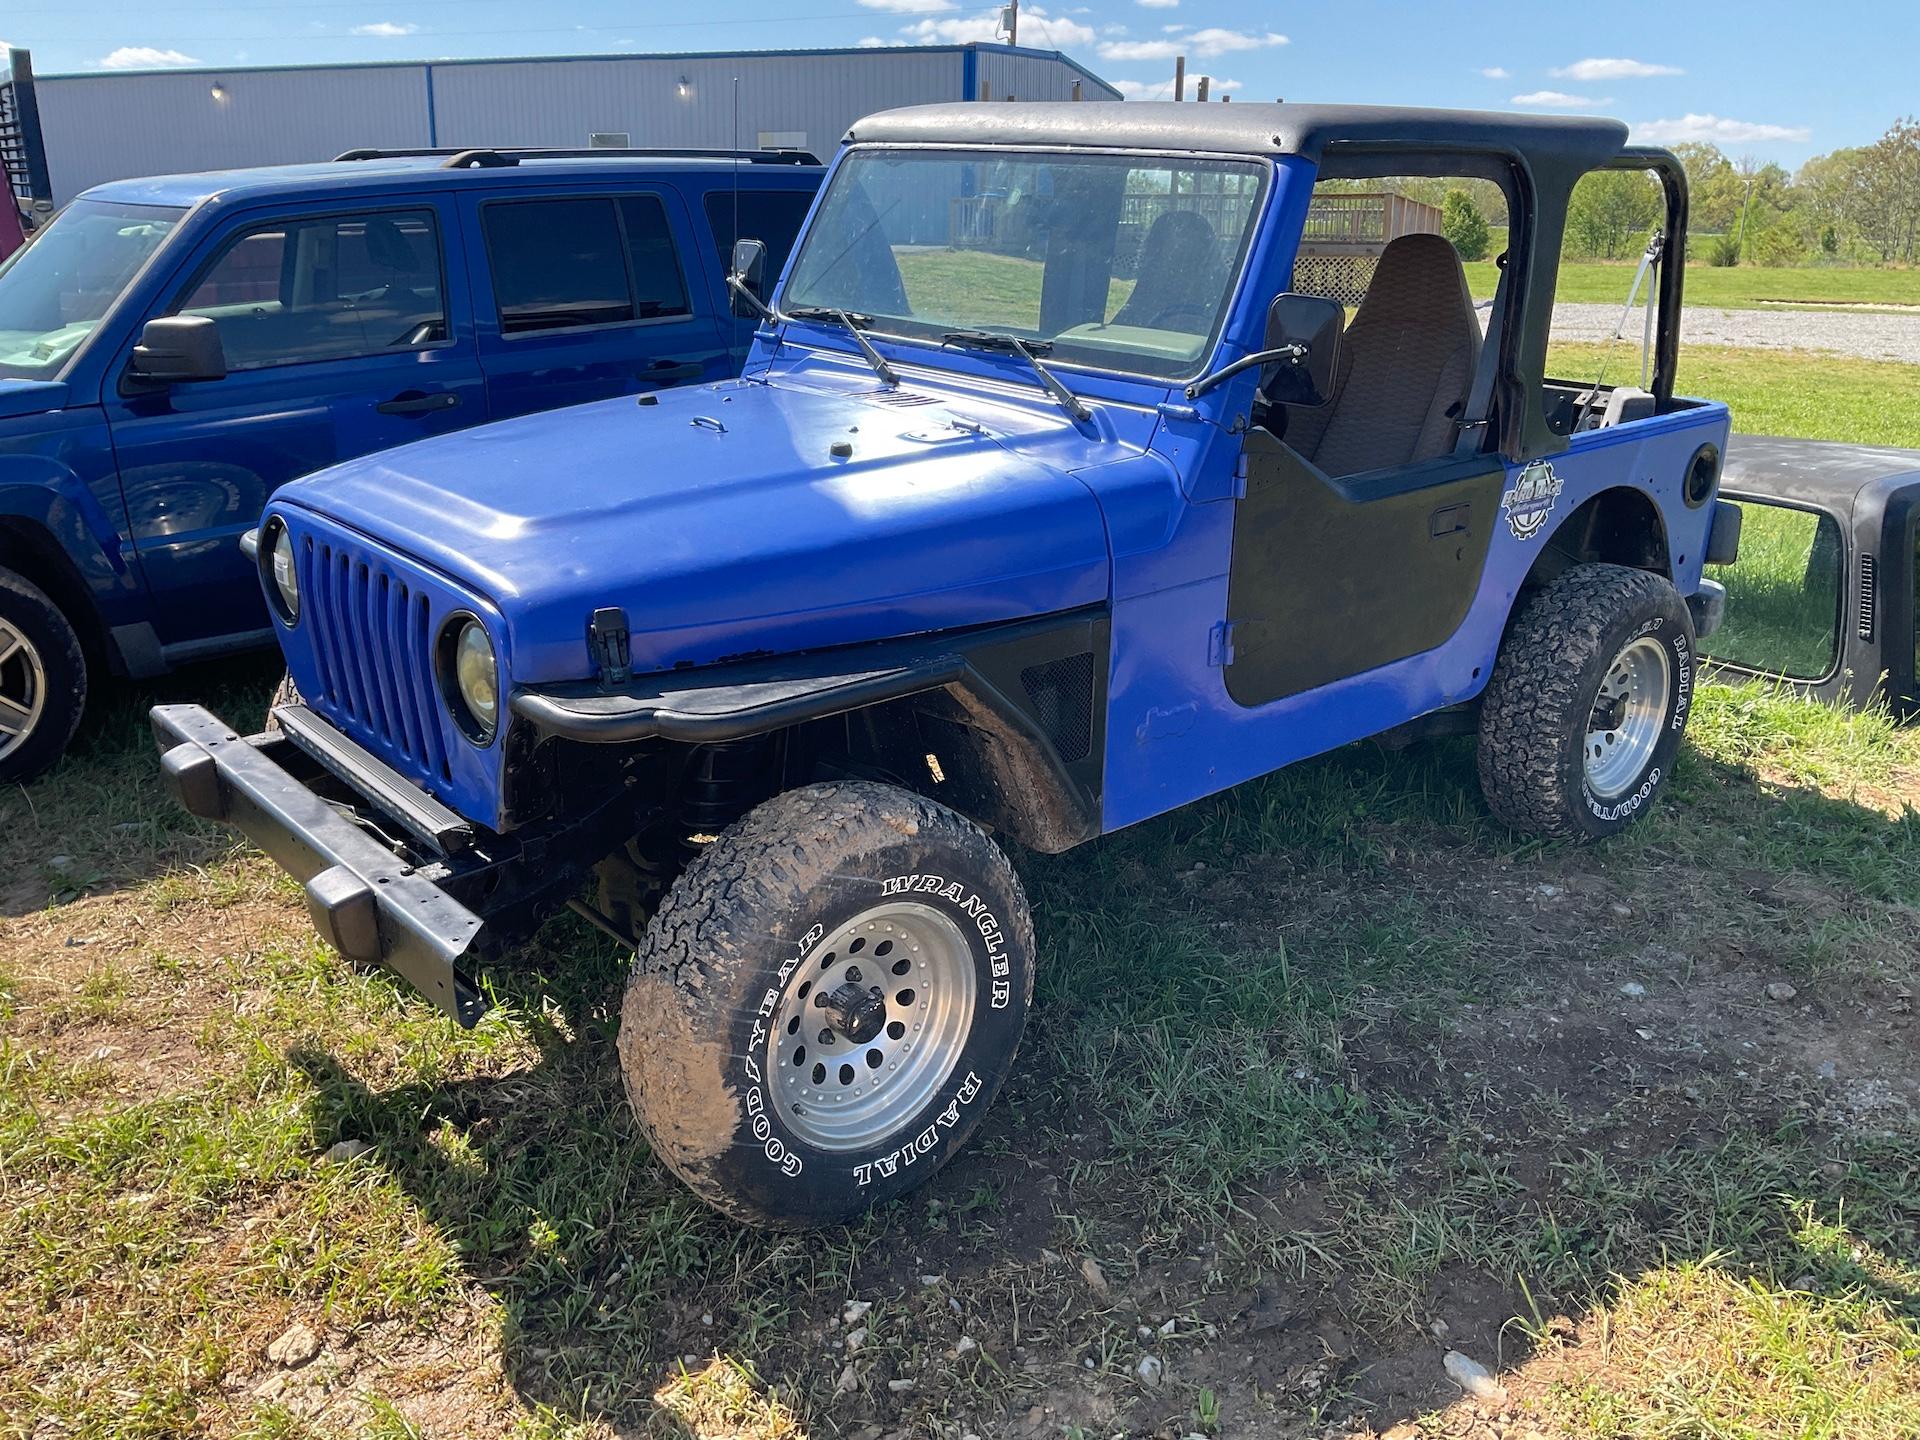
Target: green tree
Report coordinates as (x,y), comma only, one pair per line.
(1463,224)
(1612,213)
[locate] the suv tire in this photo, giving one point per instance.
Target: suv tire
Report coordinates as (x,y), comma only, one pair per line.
(782,1109)
(1589,698)
(43,680)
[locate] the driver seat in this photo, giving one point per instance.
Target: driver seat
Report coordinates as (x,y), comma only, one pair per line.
(1406,362)
(1179,272)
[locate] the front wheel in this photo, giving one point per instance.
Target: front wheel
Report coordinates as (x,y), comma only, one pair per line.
(1588,700)
(43,680)
(826,1003)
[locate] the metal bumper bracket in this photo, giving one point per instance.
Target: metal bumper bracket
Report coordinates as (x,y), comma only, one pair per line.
(366,902)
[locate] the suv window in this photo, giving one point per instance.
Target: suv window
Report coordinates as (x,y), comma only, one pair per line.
(773,217)
(563,264)
(1783,593)
(327,288)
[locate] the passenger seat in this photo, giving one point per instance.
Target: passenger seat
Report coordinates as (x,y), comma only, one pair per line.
(1406,362)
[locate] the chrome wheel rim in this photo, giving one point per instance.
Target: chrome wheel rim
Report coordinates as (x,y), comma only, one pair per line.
(23,688)
(839,1088)
(1628,715)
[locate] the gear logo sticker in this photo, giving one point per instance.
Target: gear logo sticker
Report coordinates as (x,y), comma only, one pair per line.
(1530,502)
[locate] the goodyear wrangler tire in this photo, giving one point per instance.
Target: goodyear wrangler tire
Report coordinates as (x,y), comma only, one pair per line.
(826,1003)
(1589,698)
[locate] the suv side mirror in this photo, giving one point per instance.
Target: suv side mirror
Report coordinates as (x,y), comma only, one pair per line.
(1312,326)
(179,349)
(747,274)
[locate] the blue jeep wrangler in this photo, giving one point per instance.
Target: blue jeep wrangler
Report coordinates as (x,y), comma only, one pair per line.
(1049,501)
(173,350)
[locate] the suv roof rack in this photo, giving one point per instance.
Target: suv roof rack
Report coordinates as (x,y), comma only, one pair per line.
(484,158)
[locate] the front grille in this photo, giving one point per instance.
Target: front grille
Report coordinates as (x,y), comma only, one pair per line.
(373,644)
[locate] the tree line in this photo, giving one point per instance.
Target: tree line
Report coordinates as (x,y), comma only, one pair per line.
(1859,205)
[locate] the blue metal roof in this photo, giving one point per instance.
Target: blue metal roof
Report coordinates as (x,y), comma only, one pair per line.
(350,177)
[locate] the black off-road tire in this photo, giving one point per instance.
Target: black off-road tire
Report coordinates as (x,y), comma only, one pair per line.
(1546,680)
(738,932)
(60,681)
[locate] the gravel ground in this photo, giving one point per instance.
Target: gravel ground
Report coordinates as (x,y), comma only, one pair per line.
(1845,332)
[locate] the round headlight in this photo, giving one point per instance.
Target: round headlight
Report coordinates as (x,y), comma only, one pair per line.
(286,579)
(476,679)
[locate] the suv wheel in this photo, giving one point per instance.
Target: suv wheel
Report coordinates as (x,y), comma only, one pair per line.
(826,1003)
(43,680)
(1589,698)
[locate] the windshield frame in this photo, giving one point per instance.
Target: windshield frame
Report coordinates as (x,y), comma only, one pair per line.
(1234,283)
(177,214)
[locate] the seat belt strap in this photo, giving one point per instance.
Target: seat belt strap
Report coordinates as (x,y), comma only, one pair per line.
(1473,420)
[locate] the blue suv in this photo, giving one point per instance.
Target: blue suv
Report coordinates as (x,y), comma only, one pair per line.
(1053,496)
(173,350)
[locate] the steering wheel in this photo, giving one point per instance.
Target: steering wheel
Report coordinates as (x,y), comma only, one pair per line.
(1164,319)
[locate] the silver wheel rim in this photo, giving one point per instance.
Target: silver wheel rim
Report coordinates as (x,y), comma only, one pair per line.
(23,689)
(1628,715)
(836,1093)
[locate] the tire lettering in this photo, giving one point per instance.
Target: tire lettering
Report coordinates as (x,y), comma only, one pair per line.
(1630,804)
(885,1166)
(771,1145)
(974,907)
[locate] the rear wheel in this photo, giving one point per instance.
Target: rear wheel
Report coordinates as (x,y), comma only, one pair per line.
(43,680)
(826,1003)
(1587,704)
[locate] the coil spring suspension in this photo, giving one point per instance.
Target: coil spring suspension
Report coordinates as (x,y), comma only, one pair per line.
(723,782)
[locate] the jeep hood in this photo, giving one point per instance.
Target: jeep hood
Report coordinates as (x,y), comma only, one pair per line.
(725,523)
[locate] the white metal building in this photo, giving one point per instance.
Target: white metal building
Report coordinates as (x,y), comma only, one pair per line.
(108,125)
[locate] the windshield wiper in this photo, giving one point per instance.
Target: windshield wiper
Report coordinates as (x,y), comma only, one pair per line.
(852,322)
(1029,352)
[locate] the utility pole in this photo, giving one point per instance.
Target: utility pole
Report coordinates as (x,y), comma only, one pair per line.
(1010,21)
(1200,90)
(1179,77)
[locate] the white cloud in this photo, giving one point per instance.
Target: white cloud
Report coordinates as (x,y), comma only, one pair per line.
(143,57)
(1036,28)
(385,29)
(1557,100)
(1144,89)
(909,7)
(1613,70)
(1175,29)
(1497,72)
(1158,4)
(1715,128)
(874,42)
(1201,45)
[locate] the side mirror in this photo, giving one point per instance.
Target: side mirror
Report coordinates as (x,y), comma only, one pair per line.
(748,275)
(178,350)
(1313,325)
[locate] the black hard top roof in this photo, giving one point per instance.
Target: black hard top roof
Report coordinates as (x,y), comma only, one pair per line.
(1813,472)
(1581,142)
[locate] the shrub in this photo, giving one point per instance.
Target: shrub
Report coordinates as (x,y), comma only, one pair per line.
(1463,224)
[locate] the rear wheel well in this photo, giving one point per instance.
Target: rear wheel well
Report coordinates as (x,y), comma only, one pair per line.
(1616,527)
(31,552)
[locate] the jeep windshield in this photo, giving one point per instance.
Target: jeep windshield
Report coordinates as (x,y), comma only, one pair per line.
(56,290)
(1119,262)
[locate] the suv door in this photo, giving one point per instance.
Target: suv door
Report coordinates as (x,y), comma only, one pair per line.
(585,296)
(342,336)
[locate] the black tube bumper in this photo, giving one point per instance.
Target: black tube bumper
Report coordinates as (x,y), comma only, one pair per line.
(366,902)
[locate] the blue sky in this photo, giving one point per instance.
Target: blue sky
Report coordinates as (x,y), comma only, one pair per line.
(1777,80)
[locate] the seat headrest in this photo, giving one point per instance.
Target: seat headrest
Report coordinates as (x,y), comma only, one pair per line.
(388,246)
(1424,266)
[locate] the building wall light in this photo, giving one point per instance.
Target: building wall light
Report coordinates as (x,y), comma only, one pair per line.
(219,92)
(684,89)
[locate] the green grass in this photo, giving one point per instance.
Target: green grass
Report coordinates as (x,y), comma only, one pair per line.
(1780,392)
(1737,287)
(1783,594)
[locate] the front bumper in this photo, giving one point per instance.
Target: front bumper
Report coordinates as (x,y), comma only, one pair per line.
(367,902)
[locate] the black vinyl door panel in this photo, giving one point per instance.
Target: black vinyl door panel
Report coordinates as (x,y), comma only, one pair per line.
(1330,577)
